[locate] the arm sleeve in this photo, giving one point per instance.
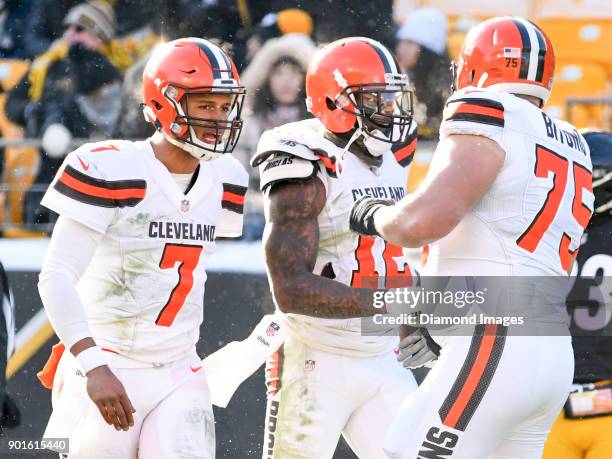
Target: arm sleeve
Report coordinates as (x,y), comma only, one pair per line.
(71,249)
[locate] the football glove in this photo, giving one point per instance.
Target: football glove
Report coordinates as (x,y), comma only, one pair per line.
(362,215)
(417,349)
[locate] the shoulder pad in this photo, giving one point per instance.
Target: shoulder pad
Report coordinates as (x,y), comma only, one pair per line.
(292,138)
(281,166)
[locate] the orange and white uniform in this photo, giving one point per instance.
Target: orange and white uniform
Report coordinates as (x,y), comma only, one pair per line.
(492,394)
(141,294)
(328,378)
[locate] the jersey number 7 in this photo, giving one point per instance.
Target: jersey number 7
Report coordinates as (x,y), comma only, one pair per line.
(188,256)
(549,161)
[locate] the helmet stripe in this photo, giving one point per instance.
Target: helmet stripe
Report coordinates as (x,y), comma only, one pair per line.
(214,62)
(541,53)
(526,47)
(383,58)
(533,49)
(386,57)
(224,64)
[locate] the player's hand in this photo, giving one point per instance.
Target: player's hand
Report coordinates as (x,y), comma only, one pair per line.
(109,395)
(417,349)
(361,220)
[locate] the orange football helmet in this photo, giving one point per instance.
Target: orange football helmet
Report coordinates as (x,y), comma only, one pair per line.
(189,66)
(508,53)
(355,83)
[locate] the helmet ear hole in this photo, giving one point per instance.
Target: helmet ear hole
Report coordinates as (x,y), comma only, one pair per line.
(330,104)
(157,105)
(471,78)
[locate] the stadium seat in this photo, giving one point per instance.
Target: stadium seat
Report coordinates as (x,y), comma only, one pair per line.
(579,79)
(581,40)
(20,163)
(573,9)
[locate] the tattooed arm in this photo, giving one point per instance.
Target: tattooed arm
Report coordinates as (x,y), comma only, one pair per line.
(291,242)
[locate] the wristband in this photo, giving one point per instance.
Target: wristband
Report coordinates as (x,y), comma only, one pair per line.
(91,358)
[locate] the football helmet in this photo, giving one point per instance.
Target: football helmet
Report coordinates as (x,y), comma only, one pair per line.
(600,144)
(507,53)
(184,67)
(355,83)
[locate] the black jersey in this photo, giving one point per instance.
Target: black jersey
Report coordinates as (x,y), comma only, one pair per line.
(591,323)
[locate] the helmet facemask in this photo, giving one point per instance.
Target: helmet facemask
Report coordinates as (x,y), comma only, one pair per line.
(224,133)
(383,111)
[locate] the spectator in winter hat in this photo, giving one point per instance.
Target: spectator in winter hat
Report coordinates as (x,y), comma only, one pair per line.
(422,54)
(292,20)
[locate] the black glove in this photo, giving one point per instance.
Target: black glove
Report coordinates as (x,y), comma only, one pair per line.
(361,220)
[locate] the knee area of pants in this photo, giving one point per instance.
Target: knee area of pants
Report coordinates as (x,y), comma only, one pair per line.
(392,454)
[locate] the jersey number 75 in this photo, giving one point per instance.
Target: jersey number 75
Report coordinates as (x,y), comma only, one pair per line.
(549,161)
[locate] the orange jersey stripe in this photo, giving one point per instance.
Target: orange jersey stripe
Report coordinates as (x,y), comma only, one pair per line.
(101,192)
(467,391)
(479,110)
(105,349)
(327,162)
(406,151)
(233,197)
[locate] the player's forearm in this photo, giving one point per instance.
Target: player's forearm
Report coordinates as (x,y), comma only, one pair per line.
(317,296)
(411,224)
(63,306)
(70,250)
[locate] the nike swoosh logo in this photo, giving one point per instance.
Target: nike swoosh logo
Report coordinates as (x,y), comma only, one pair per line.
(85,166)
(193,370)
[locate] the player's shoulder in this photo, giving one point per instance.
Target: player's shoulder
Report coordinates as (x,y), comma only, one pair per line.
(109,159)
(482,106)
(231,170)
(295,139)
(292,152)
(95,180)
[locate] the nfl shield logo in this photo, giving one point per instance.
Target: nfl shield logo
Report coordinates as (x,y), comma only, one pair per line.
(185,205)
(272,329)
(309,365)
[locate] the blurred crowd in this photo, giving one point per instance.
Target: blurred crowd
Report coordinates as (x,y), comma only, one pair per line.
(84,62)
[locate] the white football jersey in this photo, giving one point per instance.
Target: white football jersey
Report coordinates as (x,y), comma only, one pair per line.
(344,256)
(144,289)
(531,220)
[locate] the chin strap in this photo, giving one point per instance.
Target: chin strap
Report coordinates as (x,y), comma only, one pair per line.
(193,150)
(352,140)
